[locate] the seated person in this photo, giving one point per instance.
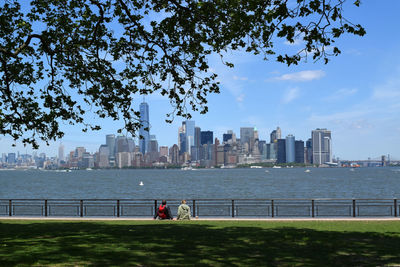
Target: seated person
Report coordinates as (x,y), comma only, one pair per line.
(163,212)
(183,211)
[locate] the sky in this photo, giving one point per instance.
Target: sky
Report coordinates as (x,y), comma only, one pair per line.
(356,95)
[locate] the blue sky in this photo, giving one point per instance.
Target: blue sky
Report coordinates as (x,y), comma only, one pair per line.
(356,95)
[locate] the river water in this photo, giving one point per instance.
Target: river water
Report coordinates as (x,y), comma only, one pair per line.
(203,183)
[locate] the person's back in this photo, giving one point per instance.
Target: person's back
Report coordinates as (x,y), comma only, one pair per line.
(163,212)
(183,211)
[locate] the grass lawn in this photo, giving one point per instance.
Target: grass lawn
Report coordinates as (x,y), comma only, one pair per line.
(209,243)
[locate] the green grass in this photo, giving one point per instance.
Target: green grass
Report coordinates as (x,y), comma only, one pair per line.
(209,243)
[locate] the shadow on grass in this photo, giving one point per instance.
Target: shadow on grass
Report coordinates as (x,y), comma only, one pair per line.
(149,244)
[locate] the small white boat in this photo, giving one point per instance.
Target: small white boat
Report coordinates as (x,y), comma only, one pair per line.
(266,170)
(276,167)
(307,170)
(141,183)
(255,167)
(352,170)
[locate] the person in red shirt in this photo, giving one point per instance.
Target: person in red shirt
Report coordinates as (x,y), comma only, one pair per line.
(163,212)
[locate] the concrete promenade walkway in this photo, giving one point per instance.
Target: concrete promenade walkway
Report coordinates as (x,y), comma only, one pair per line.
(41,218)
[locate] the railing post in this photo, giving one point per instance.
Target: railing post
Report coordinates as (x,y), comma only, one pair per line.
(233,208)
(194,208)
(118,208)
(155,207)
(312,208)
(45,207)
(395,207)
(10,207)
(272,209)
(354,208)
(81,208)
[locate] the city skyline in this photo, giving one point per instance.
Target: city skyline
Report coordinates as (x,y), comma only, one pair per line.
(247,133)
(356,96)
(194,148)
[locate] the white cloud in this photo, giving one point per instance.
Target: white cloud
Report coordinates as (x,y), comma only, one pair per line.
(302,76)
(353,51)
(296,42)
(389,91)
(237,78)
(240,98)
(290,95)
(342,93)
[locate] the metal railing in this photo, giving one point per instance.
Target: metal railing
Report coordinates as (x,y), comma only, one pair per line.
(256,208)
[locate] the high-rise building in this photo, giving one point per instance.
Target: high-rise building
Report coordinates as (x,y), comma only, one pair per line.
(281,151)
(174,154)
(87,160)
(11,158)
(278,133)
(226,137)
(153,149)
(321,146)
(206,137)
(275,135)
(247,135)
(131,144)
(308,151)
(182,143)
(289,147)
(79,152)
(262,148)
(144,130)
(61,153)
(233,135)
(104,153)
(121,144)
(190,130)
(182,138)
(299,151)
(197,136)
(110,142)
(124,159)
(164,151)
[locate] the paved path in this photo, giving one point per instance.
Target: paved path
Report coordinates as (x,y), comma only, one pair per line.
(201,219)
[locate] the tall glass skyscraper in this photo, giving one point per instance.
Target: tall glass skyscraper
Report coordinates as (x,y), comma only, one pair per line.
(144,131)
(190,125)
(289,146)
(110,142)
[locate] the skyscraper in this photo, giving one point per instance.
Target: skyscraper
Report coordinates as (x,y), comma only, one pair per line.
(206,137)
(61,153)
(299,151)
(289,148)
(226,137)
(190,130)
(247,138)
(110,142)
(275,135)
(104,154)
(197,136)
(153,149)
(281,151)
(309,151)
(246,135)
(144,130)
(321,146)
(121,144)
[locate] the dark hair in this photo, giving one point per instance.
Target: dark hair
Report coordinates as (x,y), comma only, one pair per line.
(164,202)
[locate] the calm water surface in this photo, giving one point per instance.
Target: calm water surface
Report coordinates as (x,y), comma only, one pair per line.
(203,183)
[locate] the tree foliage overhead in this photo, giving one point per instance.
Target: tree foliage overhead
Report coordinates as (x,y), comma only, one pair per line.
(62,59)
